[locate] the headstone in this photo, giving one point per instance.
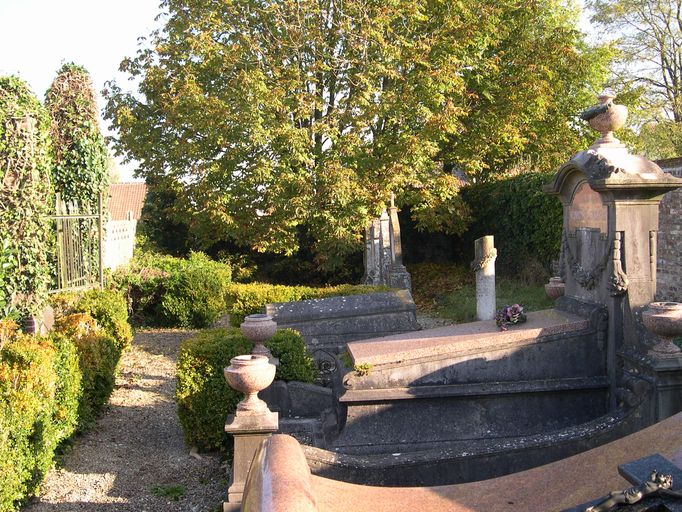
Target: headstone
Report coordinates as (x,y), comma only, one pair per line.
(484,266)
(383,252)
(610,202)
(328,324)
(398,276)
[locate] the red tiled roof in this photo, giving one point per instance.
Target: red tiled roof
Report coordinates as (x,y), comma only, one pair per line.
(124,198)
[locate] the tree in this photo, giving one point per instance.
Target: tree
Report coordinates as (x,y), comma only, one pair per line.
(80,154)
(306,114)
(650,40)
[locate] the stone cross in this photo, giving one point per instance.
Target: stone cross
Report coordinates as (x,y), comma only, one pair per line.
(398,276)
(484,266)
(383,252)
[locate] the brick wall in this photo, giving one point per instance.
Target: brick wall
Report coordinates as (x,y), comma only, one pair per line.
(669,275)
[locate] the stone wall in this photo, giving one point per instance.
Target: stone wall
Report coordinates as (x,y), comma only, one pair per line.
(669,272)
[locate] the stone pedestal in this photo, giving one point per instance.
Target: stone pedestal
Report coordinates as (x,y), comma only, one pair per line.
(252,421)
(249,432)
(484,266)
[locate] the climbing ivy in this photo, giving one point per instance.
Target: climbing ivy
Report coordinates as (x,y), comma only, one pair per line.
(25,198)
(80,154)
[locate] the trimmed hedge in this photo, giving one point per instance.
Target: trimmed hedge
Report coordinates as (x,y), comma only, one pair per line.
(203,396)
(51,387)
(110,310)
(175,292)
(107,307)
(525,221)
(98,357)
(40,388)
(251,298)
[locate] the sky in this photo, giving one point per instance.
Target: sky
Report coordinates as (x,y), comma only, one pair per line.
(38,36)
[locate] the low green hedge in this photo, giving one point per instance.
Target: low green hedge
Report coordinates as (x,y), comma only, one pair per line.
(98,357)
(107,307)
(40,388)
(51,387)
(203,396)
(175,292)
(250,298)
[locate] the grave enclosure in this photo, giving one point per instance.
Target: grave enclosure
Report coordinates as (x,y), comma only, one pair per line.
(465,403)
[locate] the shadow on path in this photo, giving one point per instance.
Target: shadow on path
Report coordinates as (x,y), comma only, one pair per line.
(135,459)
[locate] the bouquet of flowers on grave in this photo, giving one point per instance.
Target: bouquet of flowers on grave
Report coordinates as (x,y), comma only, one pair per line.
(509,315)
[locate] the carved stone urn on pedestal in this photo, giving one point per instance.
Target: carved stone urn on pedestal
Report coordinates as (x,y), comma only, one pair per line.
(258,329)
(665,320)
(555,288)
(250,374)
(606,117)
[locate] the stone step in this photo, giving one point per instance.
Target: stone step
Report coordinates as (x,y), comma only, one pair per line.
(365,396)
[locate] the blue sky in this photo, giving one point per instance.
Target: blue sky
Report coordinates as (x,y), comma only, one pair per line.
(38,36)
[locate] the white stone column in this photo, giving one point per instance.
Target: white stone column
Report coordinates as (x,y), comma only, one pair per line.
(484,266)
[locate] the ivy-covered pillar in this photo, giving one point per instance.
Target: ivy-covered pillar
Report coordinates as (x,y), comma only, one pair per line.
(25,201)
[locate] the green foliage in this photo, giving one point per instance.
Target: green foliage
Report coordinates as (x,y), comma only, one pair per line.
(172,492)
(294,361)
(525,222)
(455,297)
(363,369)
(660,140)
(98,357)
(110,309)
(175,292)
(249,298)
(80,153)
(161,222)
(311,121)
(8,263)
(25,198)
(39,391)
(49,387)
(430,281)
(203,396)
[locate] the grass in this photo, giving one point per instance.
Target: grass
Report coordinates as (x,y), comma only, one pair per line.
(449,291)
(172,492)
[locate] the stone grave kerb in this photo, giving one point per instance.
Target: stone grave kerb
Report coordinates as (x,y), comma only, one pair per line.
(610,202)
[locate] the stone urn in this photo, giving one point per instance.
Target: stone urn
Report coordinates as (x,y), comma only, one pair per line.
(555,288)
(250,374)
(606,117)
(258,329)
(665,320)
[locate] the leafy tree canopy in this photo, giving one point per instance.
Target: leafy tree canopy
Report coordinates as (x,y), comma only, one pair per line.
(305,114)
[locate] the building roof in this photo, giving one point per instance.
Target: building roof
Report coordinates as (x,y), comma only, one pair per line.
(124,198)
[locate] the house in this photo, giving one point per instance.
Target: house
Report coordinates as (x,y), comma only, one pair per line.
(125,207)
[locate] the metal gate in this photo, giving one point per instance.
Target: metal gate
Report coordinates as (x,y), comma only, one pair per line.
(79,246)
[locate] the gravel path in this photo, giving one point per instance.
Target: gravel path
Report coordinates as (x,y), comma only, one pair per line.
(135,458)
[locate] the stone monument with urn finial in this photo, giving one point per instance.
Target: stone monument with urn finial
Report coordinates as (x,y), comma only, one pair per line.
(610,201)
